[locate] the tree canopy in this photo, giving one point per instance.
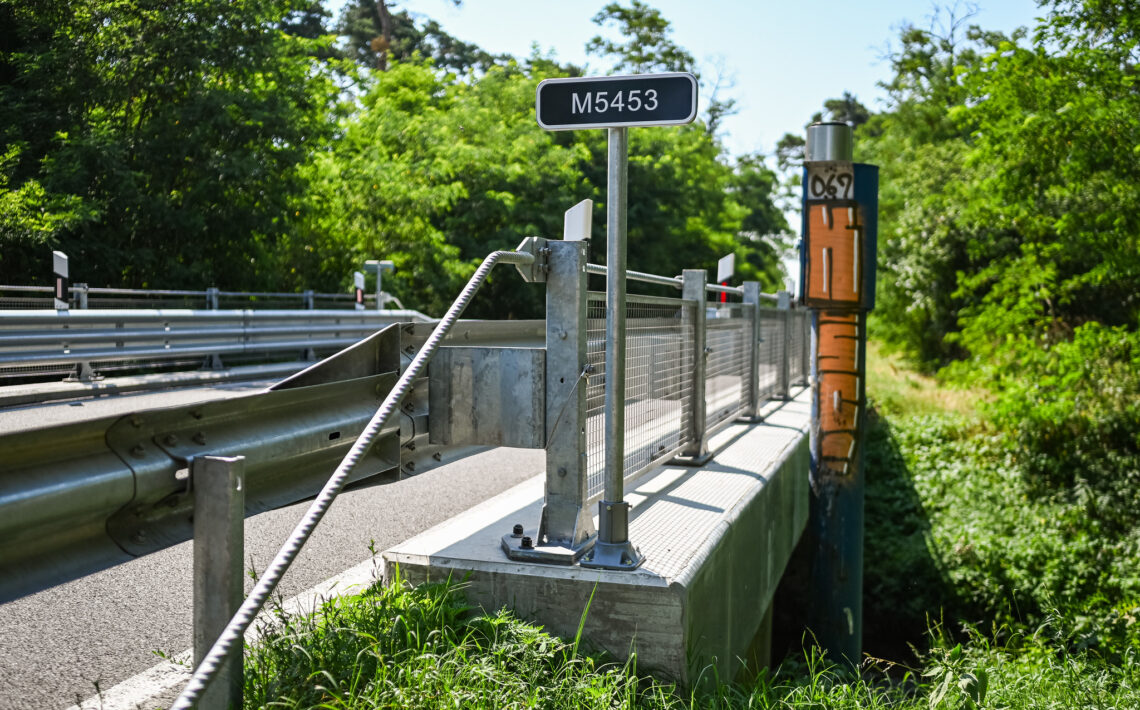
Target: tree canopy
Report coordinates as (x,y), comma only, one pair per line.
(242,144)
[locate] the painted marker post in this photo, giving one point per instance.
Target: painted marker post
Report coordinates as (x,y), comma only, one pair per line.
(837,282)
(615,103)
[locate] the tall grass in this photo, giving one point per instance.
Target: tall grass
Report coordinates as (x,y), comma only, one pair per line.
(1005,600)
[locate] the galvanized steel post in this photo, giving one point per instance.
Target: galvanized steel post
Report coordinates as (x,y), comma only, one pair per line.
(784,305)
(613,549)
(566,528)
(752,298)
(693,282)
(219,501)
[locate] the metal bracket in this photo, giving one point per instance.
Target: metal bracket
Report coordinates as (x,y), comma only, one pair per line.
(526,546)
(535,272)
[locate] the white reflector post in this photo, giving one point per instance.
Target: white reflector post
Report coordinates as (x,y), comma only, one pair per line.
(576,222)
(725,268)
(62,283)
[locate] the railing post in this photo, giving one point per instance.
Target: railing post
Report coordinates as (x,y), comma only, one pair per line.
(212,298)
(83,370)
(752,297)
(309,300)
(696,452)
(784,305)
(805,349)
(566,528)
(218,484)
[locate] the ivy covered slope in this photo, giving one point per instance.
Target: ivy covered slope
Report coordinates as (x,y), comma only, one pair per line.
(260,145)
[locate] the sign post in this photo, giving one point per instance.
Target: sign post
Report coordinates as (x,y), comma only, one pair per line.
(615,103)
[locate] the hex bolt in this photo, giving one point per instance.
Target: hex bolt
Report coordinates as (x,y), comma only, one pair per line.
(200,438)
(138,451)
(196,414)
(527,543)
(562,471)
(136,422)
(139,536)
(517,531)
(411,465)
(437,456)
(170,440)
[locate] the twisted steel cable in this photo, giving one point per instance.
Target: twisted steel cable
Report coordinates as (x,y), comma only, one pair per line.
(235,630)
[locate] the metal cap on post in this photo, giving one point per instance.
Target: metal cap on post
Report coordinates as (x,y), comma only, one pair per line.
(831,140)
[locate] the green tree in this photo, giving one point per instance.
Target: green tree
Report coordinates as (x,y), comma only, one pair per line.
(378,33)
(159,145)
(645,45)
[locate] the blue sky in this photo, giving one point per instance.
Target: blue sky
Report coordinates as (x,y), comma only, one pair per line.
(783,57)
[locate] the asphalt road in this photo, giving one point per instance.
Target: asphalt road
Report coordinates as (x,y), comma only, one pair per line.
(59,646)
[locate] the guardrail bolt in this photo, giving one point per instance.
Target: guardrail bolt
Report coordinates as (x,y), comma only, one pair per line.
(170,440)
(136,422)
(139,536)
(411,465)
(562,471)
(437,456)
(199,438)
(517,531)
(527,543)
(138,451)
(196,414)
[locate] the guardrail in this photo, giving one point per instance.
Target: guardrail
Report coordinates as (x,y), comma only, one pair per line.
(86,343)
(82,296)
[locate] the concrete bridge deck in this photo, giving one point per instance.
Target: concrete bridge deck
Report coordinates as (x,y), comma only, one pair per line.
(716,541)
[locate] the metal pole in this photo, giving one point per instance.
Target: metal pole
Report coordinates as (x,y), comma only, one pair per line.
(697,453)
(752,297)
(613,549)
(784,305)
(219,502)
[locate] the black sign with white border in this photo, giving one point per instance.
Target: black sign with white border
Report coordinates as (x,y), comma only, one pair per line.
(617,101)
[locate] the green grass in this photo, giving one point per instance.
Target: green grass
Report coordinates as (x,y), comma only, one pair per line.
(398,647)
(979,593)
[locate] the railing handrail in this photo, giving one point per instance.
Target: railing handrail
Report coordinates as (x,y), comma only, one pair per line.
(674,281)
(112,291)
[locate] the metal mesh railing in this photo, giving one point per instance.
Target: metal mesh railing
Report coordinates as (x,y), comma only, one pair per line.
(799,339)
(771,347)
(728,377)
(659,371)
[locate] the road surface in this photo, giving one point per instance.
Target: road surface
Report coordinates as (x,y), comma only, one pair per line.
(63,644)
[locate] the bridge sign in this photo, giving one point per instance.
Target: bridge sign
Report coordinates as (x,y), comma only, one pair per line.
(617,101)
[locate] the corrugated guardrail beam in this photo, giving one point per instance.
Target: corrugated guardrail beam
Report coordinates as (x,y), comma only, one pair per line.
(45,338)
